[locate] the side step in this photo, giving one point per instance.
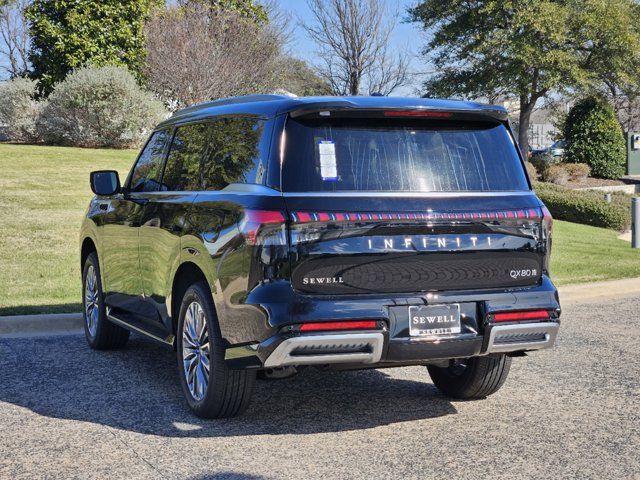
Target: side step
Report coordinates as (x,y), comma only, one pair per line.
(131,323)
(324,349)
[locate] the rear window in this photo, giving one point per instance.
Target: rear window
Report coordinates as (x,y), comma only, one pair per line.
(400,155)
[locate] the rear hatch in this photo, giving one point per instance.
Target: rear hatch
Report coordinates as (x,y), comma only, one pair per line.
(396,202)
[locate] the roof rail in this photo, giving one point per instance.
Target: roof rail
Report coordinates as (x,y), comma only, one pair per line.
(231,101)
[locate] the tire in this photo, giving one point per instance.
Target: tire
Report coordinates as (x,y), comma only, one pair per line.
(226,392)
(471,378)
(100,333)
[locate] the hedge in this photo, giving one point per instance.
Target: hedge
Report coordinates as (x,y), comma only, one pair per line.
(586,206)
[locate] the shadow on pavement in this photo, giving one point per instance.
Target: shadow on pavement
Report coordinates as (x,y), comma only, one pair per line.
(137,389)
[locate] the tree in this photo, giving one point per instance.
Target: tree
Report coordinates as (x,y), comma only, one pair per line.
(245,8)
(68,35)
(353,40)
(301,80)
(527,50)
(210,56)
(595,137)
(14,38)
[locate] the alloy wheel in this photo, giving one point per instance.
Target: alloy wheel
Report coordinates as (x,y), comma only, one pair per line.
(195,351)
(91,300)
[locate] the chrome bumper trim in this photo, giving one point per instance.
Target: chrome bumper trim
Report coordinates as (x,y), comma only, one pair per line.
(523,336)
(323,349)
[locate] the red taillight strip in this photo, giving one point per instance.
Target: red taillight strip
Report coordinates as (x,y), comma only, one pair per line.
(349,325)
(264,216)
(417,113)
(255,219)
(307,217)
(525,315)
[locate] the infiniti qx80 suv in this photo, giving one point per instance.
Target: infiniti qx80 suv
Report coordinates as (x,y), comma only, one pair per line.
(260,235)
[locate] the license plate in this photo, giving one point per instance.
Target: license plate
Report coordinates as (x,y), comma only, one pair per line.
(432,320)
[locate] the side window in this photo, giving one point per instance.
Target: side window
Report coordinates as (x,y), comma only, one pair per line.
(210,156)
(146,173)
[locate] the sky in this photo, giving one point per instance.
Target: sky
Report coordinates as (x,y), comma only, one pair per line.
(407,36)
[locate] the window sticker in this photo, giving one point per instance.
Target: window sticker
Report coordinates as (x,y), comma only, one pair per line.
(328,165)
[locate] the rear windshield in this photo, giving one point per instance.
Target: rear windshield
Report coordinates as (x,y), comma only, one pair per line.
(399,155)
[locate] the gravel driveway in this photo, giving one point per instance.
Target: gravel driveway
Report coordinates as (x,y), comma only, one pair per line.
(572,412)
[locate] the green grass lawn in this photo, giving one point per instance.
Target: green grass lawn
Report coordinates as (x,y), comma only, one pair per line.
(44,192)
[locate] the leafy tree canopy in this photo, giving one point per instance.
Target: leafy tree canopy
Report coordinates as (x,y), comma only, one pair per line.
(246,8)
(527,50)
(69,34)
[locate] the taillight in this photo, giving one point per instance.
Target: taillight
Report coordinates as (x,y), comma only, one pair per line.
(417,113)
(349,325)
(264,227)
(522,315)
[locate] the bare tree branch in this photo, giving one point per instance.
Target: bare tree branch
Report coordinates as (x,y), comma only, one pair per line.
(195,56)
(14,39)
(353,40)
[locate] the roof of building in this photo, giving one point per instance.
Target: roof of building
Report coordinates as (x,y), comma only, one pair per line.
(271,105)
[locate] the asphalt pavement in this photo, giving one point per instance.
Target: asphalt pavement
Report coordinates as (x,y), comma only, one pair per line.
(571,412)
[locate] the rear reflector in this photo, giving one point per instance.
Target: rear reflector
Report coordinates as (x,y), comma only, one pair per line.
(517,316)
(417,113)
(351,325)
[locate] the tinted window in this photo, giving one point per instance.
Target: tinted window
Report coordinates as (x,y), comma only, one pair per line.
(210,156)
(146,173)
(394,155)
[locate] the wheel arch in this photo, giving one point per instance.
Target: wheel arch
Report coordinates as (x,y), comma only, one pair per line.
(88,247)
(187,274)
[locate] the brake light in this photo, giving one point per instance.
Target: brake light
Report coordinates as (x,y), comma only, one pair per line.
(256,222)
(350,325)
(417,113)
(518,316)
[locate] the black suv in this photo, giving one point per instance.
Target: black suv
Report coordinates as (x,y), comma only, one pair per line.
(257,235)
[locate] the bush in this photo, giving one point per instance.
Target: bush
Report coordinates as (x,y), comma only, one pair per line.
(555,174)
(595,138)
(542,160)
(586,206)
(531,170)
(577,171)
(99,107)
(19,109)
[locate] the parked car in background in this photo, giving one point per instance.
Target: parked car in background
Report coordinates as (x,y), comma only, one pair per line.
(557,148)
(269,233)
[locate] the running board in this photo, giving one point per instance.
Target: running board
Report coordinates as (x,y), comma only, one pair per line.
(137,326)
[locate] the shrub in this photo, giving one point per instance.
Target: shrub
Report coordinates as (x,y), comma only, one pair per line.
(577,171)
(595,138)
(531,170)
(99,107)
(542,160)
(19,109)
(555,174)
(586,206)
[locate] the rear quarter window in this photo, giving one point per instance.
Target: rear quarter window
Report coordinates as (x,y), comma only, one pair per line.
(212,154)
(404,155)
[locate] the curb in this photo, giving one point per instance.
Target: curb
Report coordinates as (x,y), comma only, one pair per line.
(40,325)
(71,323)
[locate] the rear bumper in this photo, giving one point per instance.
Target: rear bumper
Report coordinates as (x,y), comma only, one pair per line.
(371,348)
(393,346)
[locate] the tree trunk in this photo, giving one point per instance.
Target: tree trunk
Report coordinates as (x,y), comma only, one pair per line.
(526,109)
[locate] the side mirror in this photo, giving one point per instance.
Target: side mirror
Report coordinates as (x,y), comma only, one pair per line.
(105,182)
